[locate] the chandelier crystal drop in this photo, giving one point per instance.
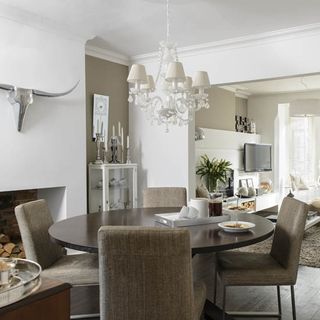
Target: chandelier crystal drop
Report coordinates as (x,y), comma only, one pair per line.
(174,97)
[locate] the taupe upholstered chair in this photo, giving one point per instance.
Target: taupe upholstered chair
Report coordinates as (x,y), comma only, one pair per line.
(146,273)
(34,220)
(278,268)
(164,197)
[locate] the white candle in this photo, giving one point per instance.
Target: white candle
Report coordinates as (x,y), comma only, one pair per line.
(122,137)
(128,144)
(101,130)
(119,129)
(105,139)
(97,129)
(113,131)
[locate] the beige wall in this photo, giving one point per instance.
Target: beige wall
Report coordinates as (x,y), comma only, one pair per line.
(221,113)
(241,107)
(110,79)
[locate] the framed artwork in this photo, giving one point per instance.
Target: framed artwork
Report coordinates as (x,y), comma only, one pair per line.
(100,116)
(250,183)
(243,183)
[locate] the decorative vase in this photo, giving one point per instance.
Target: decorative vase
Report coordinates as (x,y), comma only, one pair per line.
(211,184)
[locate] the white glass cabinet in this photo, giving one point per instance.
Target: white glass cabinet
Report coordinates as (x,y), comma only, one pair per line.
(112,186)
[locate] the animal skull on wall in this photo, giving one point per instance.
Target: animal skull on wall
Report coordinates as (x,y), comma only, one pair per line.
(21,98)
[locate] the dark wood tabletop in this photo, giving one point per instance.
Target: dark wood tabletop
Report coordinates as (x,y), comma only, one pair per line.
(80,232)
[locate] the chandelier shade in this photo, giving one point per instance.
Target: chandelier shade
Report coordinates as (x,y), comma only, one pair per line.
(149,85)
(137,74)
(201,80)
(173,97)
(175,72)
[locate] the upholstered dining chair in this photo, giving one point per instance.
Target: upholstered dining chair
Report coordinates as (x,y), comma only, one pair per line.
(34,220)
(278,268)
(164,197)
(146,273)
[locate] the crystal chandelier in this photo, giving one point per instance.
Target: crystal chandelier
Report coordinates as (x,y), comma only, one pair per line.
(173,97)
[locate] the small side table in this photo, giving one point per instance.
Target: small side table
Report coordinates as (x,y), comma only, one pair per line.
(50,302)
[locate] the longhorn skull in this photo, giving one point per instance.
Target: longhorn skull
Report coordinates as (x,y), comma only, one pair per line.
(21,98)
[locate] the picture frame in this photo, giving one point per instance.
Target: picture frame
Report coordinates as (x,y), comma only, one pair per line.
(243,183)
(250,183)
(100,117)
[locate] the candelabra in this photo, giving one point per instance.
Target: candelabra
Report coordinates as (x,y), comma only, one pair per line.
(99,140)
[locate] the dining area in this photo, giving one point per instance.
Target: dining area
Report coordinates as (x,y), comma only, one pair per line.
(131,266)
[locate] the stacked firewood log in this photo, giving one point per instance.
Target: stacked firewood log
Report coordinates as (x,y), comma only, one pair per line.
(10,249)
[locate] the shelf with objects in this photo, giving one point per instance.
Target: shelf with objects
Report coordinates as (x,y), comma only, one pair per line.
(112,179)
(112,186)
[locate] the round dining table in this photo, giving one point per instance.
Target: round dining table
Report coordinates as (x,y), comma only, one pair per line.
(80,232)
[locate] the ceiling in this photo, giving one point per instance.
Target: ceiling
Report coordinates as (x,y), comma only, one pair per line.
(134,27)
(295,84)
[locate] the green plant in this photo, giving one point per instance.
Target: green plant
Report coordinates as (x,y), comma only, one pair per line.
(213,170)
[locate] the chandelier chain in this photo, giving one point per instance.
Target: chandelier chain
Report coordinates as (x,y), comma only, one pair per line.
(168,21)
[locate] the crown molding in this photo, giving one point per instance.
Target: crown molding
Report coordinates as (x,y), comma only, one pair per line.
(30,19)
(107,55)
(240,93)
(239,42)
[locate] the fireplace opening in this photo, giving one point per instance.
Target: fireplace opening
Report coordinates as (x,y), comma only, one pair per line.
(10,239)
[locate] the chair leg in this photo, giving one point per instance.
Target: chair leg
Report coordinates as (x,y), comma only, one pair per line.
(279,301)
(224,302)
(293,303)
(215,287)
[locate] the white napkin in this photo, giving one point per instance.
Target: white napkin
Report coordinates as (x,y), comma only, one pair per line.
(189,213)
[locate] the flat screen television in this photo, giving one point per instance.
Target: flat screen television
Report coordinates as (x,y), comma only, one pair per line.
(257,157)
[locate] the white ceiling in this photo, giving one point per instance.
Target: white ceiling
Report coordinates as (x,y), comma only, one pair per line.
(295,84)
(134,27)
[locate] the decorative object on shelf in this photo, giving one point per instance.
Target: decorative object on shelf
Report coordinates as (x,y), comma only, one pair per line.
(243,191)
(114,149)
(252,126)
(251,192)
(199,134)
(266,186)
(116,145)
(100,115)
(99,140)
(213,170)
(21,98)
(243,124)
(250,183)
(178,97)
(243,183)
(128,150)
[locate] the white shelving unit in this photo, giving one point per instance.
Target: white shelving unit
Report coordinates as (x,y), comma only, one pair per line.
(257,203)
(112,186)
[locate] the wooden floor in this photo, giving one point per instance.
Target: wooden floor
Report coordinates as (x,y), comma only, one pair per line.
(264,298)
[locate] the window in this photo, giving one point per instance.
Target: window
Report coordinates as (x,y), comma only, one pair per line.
(302,149)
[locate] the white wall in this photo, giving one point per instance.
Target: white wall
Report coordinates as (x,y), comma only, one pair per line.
(163,157)
(51,149)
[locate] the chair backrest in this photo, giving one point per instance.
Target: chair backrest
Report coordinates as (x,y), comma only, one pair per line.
(288,234)
(34,220)
(145,273)
(164,197)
